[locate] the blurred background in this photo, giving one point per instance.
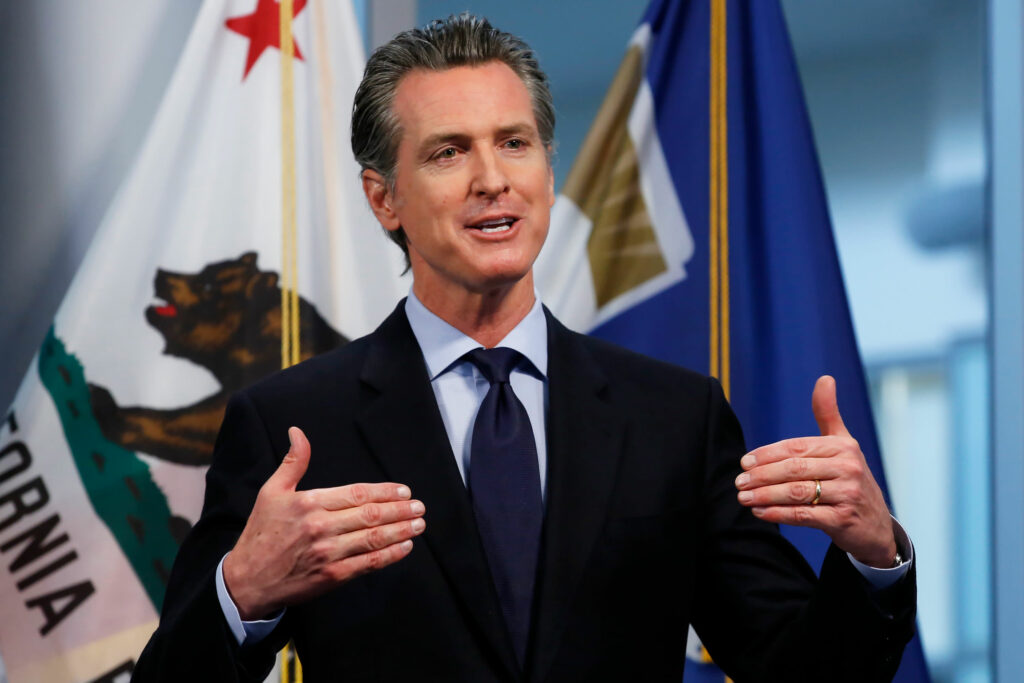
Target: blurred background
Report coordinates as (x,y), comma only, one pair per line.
(916,109)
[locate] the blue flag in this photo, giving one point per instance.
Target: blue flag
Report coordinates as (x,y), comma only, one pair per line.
(696,230)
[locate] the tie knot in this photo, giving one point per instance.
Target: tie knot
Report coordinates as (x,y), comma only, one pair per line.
(495,364)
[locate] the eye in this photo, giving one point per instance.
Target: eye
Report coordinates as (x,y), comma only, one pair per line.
(447,153)
(515,143)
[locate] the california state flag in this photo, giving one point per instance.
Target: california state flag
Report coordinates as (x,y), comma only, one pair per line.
(244,192)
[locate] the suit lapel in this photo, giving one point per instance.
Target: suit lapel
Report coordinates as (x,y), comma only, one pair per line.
(584,443)
(403,426)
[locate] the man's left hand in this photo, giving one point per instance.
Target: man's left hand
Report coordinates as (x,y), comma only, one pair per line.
(780,483)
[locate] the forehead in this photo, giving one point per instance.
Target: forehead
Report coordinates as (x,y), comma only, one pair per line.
(464,99)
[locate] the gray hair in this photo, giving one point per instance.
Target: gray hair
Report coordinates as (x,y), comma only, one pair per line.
(459,40)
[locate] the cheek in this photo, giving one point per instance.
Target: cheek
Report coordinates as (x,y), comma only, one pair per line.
(436,203)
(542,236)
(447,206)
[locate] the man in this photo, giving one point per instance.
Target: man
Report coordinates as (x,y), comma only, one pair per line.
(585,504)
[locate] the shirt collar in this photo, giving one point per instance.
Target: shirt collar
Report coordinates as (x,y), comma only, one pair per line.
(443,345)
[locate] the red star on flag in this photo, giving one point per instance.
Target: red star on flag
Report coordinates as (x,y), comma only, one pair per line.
(263,29)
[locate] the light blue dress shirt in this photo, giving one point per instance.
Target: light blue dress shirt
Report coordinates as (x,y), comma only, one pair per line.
(459,388)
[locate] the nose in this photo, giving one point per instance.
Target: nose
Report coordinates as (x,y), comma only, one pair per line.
(489,176)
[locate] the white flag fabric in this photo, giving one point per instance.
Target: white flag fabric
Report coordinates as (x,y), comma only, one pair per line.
(176,305)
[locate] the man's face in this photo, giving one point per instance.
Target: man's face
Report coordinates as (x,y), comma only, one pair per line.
(473,185)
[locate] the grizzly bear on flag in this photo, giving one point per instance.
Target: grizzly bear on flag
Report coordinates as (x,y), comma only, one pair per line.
(227,319)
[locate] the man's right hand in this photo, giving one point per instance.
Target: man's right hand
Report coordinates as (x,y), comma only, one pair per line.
(298,544)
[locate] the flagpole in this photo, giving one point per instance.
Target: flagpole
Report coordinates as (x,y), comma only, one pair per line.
(718,207)
(289,228)
(291,670)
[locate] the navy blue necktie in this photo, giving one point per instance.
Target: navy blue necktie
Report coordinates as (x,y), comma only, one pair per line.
(504,483)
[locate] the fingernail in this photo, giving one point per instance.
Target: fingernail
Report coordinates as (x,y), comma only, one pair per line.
(416,507)
(405,545)
(418,525)
(403,492)
(757,511)
(291,437)
(746,496)
(748,461)
(742,480)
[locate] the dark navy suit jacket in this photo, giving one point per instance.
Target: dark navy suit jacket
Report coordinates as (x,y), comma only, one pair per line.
(642,535)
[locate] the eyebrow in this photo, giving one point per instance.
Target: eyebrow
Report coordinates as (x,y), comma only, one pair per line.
(445,137)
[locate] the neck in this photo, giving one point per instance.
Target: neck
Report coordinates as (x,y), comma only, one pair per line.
(486,316)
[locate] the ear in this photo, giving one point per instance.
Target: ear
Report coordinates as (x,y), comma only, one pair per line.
(262,281)
(380,197)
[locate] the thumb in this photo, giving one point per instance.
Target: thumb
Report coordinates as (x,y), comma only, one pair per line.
(295,462)
(826,409)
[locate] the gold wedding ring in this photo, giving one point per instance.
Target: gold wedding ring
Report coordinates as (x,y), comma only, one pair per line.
(817,492)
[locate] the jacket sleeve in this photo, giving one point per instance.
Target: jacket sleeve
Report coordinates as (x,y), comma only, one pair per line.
(760,610)
(193,640)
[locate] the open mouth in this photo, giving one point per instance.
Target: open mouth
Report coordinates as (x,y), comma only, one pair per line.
(493,226)
(165,310)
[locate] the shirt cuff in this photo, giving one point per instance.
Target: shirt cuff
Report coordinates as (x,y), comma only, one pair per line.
(881,579)
(245,632)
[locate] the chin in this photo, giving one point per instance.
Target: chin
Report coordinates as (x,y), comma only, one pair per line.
(504,275)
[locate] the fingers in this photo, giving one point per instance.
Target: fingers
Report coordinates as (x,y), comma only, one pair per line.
(826,408)
(371,515)
(293,466)
(817,516)
(371,561)
(354,495)
(833,492)
(360,518)
(791,470)
(337,548)
(377,538)
(785,473)
(800,447)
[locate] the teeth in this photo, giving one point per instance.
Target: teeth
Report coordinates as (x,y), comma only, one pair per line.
(495,225)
